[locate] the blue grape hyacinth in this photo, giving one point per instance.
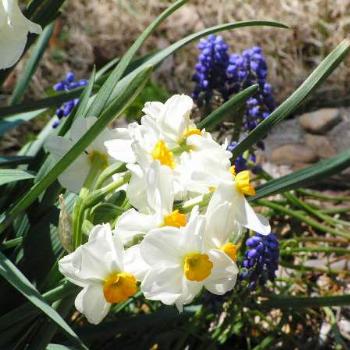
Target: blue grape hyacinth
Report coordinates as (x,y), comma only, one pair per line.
(260,262)
(245,70)
(228,74)
(68,84)
(244,162)
(211,69)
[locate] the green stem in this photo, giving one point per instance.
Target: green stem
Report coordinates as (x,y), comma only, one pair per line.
(318,239)
(308,208)
(294,200)
(96,196)
(318,195)
(330,250)
(201,201)
(108,173)
(303,218)
(303,268)
(97,164)
(336,210)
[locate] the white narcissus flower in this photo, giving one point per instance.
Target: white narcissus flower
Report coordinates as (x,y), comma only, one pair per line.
(240,211)
(168,135)
(100,267)
(74,176)
(155,206)
(180,264)
(14,29)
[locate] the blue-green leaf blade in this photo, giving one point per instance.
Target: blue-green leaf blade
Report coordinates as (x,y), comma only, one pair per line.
(291,104)
(305,177)
(229,107)
(15,277)
(12,175)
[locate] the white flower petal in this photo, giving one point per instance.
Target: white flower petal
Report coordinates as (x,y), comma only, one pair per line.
(92,303)
(160,195)
(14,28)
(164,285)
(223,275)
(176,116)
(153,109)
(133,223)
(134,264)
(120,149)
(94,260)
(219,226)
(163,247)
(242,212)
(73,178)
(137,189)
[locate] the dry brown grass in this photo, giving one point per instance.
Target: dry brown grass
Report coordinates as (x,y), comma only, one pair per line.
(98,30)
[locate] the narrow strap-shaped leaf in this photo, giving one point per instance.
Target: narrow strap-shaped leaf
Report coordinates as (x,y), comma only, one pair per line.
(53,346)
(106,90)
(12,175)
(163,54)
(14,160)
(15,277)
(154,59)
(31,66)
(9,123)
(289,106)
(304,177)
(113,111)
(303,302)
(43,103)
(229,107)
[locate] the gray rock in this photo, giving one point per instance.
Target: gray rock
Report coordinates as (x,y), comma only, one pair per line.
(320,121)
(287,132)
(340,136)
(320,145)
(293,154)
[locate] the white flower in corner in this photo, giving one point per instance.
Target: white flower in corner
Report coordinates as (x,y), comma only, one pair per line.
(74,176)
(154,204)
(233,193)
(100,267)
(14,29)
(180,265)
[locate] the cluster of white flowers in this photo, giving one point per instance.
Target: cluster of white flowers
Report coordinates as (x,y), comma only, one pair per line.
(14,29)
(165,244)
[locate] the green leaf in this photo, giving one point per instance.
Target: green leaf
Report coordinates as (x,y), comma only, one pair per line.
(114,110)
(15,277)
(105,92)
(154,59)
(27,310)
(304,177)
(9,123)
(229,107)
(304,302)
(291,104)
(31,66)
(58,347)
(14,160)
(12,175)
(163,54)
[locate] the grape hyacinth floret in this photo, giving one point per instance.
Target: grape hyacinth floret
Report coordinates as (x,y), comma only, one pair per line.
(245,161)
(216,70)
(260,262)
(211,69)
(245,70)
(68,84)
